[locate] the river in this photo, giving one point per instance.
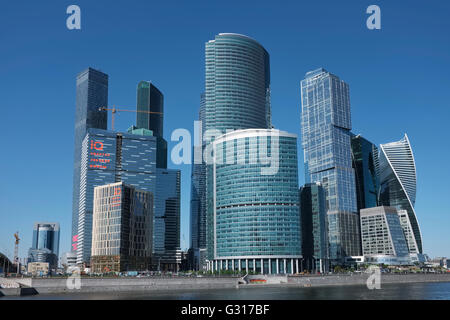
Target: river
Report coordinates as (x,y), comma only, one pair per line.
(404,291)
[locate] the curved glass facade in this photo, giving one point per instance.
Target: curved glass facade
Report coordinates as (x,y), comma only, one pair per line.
(256,211)
(398,181)
(237,83)
(237,96)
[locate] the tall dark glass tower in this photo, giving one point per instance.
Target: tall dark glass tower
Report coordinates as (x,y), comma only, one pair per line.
(150,99)
(366,165)
(198,199)
(313,217)
(91,93)
(326,141)
(166,234)
(198,209)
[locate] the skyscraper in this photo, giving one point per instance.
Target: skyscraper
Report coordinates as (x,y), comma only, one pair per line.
(45,243)
(256,221)
(198,207)
(366,165)
(109,157)
(166,244)
(195,203)
(398,181)
(314,227)
(150,99)
(326,125)
(91,94)
(46,236)
(237,96)
(237,83)
(122,229)
(198,198)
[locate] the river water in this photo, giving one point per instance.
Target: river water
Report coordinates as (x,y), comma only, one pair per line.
(407,291)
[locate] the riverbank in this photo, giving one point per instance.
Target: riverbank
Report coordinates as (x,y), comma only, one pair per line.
(142,285)
(111,285)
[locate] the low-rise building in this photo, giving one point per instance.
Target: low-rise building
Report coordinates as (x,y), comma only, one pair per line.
(439,262)
(383,240)
(38,268)
(69,259)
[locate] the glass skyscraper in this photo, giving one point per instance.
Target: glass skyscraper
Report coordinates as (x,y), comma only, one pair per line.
(314,227)
(151,99)
(326,141)
(46,236)
(198,198)
(237,83)
(109,157)
(366,165)
(256,221)
(196,212)
(237,96)
(91,94)
(166,237)
(45,243)
(198,206)
(198,184)
(398,181)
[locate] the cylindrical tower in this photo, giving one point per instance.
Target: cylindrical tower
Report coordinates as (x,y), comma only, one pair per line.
(237,83)
(256,202)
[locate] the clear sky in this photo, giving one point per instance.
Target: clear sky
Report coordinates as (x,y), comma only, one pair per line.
(399,82)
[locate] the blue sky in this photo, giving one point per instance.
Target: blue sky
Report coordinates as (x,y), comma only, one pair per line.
(399,82)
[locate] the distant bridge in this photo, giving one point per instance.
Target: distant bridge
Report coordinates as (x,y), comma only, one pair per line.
(5,264)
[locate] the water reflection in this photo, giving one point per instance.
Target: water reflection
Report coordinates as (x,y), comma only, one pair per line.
(410,291)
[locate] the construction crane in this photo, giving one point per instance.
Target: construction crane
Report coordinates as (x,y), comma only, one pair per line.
(16,250)
(114,110)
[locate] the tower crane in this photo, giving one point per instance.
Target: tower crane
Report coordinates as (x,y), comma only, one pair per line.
(114,110)
(16,250)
